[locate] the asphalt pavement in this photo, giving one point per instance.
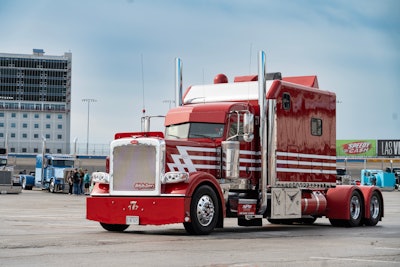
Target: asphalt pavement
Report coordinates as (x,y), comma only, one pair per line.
(38,228)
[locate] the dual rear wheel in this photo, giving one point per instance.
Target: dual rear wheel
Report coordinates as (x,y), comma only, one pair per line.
(357,206)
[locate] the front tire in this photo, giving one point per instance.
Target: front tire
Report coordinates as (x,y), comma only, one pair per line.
(114,227)
(52,186)
(204,211)
(375,210)
(23,183)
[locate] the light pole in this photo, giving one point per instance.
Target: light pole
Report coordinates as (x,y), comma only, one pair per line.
(88,100)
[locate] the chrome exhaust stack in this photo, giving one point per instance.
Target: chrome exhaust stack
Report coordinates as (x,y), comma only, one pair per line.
(263,129)
(178,82)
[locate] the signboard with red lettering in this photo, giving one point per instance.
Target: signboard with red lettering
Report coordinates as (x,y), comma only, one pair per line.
(356,148)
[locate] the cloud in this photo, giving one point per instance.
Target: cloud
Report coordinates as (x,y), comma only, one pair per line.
(351,46)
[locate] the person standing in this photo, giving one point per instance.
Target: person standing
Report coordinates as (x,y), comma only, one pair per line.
(86,182)
(77,180)
(81,174)
(70,180)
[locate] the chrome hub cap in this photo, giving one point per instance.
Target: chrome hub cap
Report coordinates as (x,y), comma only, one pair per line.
(205,210)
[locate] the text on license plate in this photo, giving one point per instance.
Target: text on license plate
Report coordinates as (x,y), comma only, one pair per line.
(132,220)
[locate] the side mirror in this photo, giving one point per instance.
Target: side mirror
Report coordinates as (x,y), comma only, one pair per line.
(248,127)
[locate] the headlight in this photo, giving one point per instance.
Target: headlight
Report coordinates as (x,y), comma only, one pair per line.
(175,177)
(101,177)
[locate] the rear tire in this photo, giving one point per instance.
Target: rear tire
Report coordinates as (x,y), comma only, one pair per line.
(375,210)
(114,227)
(204,211)
(356,210)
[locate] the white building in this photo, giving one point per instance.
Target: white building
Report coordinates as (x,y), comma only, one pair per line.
(35,102)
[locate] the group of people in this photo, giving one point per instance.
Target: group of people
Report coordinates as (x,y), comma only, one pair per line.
(79,182)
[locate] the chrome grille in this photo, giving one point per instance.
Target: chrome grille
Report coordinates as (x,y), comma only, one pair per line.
(134,167)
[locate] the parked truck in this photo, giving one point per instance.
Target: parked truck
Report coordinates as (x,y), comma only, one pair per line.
(51,173)
(261,147)
(9,184)
(385,180)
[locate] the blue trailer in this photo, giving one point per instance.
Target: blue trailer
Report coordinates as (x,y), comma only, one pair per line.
(384,180)
(51,173)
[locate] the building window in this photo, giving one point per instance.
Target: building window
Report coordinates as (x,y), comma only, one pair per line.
(12,149)
(47,136)
(36,116)
(24,135)
(48,116)
(60,116)
(59,126)
(59,151)
(36,126)
(316,127)
(35,150)
(13,115)
(47,126)
(12,135)
(13,125)
(1,134)
(24,125)
(1,124)
(59,136)
(24,150)
(36,136)
(2,114)
(24,115)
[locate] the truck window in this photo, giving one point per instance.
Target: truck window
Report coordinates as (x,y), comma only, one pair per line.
(316,127)
(233,133)
(194,130)
(286,101)
(63,163)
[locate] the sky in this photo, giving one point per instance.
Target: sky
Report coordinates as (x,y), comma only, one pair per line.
(123,54)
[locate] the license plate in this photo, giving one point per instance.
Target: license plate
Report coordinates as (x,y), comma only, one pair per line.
(132,220)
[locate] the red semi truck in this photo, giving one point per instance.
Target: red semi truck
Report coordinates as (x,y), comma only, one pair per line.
(261,147)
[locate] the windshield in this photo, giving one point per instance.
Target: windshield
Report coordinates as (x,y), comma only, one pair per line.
(194,130)
(63,163)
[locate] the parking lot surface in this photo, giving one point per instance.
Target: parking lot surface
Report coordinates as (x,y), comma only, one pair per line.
(38,228)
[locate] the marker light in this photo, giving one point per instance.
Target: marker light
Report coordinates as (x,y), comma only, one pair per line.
(101,177)
(175,177)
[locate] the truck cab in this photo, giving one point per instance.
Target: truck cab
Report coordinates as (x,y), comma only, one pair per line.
(50,171)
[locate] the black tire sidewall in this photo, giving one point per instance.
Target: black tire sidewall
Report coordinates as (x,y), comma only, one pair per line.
(195,224)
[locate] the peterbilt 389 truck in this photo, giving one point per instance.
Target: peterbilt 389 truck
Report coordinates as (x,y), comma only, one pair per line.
(51,171)
(263,146)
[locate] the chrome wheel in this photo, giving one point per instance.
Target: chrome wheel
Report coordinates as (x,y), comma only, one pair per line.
(375,209)
(205,210)
(355,207)
(52,186)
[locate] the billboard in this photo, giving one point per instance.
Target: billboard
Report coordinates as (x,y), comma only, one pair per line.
(389,148)
(356,148)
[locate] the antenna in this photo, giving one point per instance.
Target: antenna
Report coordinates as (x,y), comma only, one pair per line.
(251,51)
(144,108)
